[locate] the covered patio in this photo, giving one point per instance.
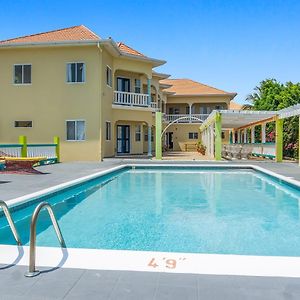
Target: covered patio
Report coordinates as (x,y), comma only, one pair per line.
(243,127)
(247,133)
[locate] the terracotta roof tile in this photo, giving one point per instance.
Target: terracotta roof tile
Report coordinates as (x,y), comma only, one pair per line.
(190,87)
(235,106)
(125,48)
(75,33)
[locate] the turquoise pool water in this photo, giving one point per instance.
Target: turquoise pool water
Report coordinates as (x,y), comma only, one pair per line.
(173,209)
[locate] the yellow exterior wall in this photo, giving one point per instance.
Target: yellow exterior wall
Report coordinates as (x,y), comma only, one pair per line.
(180,135)
(49,101)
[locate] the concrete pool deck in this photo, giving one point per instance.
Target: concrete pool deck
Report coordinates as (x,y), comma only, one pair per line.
(100,284)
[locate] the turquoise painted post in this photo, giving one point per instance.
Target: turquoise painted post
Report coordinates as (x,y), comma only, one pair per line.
(149,90)
(158,137)
(57,147)
(23,142)
(149,141)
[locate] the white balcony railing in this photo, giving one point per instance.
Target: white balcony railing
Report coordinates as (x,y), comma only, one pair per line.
(131,99)
(186,118)
(154,106)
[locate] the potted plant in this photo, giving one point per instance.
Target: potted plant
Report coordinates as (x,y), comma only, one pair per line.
(201,148)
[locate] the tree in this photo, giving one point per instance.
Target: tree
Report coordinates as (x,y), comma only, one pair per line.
(273,95)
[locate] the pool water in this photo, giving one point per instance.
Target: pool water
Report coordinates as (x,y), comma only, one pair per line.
(224,211)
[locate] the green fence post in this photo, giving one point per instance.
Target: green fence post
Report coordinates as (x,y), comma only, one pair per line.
(23,142)
(279,139)
(218,137)
(158,137)
(57,147)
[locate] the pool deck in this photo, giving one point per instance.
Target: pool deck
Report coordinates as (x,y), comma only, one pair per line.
(66,283)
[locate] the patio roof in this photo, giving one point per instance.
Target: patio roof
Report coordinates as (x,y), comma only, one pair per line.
(239,118)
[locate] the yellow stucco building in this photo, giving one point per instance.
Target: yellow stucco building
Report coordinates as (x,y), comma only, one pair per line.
(98,96)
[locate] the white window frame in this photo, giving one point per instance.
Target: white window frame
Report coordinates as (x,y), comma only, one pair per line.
(76,120)
(136,86)
(84,72)
(109,78)
(194,134)
(22,64)
(108,133)
(138,132)
(23,126)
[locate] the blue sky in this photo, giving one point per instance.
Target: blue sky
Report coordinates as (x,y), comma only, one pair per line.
(229,44)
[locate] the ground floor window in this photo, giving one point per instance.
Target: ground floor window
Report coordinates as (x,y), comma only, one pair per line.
(108,130)
(75,130)
(193,135)
(138,133)
(23,123)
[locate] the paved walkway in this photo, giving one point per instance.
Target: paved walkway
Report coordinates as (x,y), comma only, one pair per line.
(99,284)
(76,284)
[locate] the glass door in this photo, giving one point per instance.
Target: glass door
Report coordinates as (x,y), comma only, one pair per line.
(123,139)
(123,84)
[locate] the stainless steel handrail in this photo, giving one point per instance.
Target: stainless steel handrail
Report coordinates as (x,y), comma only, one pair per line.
(10,221)
(32,249)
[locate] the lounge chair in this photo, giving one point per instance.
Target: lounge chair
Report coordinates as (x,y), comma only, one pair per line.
(22,164)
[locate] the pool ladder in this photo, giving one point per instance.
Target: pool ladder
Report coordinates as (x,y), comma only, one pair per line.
(10,221)
(32,248)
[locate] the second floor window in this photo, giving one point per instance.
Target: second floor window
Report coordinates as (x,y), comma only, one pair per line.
(22,74)
(137,86)
(108,76)
(75,72)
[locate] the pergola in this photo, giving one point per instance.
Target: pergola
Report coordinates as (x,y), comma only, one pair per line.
(241,125)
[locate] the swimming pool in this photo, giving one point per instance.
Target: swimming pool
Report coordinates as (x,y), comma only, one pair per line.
(172,209)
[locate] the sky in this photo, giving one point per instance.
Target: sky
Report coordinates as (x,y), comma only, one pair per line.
(228,44)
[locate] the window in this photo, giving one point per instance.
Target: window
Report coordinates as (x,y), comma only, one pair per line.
(219,107)
(137,86)
(75,72)
(223,135)
(193,135)
(138,133)
(123,84)
(108,131)
(22,74)
(75,130)
(108,76)
(23,123)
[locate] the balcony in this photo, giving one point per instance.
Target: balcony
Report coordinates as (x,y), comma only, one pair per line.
(186,118)
(131,99)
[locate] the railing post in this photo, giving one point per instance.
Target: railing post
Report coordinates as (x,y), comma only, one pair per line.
(23,142)
(57,147)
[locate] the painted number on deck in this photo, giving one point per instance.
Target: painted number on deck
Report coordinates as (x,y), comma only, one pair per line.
(168,263)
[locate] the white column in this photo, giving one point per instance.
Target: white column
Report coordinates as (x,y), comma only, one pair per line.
(252,134)
(238,136)
(190,111)
(149,142)
(212,141)
(233,136)
(263,132)
(245,135)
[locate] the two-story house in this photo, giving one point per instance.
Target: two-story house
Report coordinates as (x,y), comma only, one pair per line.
(97,95)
